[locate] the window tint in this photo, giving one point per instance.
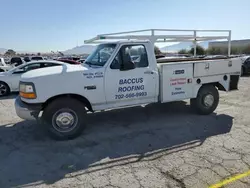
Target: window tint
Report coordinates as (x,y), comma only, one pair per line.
(16,60)
(135,53)
(26,59)
(36,58)
(50,64)
(31,67)
(116,64)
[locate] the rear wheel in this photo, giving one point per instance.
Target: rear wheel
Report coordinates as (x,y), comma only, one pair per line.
(64,118)
(206,101)
(4,89)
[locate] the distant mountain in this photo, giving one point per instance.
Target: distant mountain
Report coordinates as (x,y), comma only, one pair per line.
(3,50)
(84,49)
(183,45)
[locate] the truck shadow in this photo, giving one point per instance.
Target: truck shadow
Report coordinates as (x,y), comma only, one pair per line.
(11,96)
(246,75)
(112,138)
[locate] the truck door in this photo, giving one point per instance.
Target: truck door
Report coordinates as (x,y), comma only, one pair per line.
(129,79)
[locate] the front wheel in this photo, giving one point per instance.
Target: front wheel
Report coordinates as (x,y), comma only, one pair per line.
(206,101)
(64,118)
(4,89)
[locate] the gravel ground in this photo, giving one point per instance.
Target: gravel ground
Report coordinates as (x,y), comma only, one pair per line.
(161,145)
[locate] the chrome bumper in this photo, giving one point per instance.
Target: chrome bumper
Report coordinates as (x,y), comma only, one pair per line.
(27,111)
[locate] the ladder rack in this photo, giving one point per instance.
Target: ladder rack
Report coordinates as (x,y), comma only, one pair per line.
(190,36)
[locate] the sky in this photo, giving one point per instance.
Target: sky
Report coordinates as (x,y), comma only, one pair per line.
(45,25)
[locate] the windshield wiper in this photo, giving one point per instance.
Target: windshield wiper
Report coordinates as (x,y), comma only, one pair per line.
(93,64)
(88,63)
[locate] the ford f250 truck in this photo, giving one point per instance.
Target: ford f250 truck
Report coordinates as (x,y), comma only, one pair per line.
(122,74)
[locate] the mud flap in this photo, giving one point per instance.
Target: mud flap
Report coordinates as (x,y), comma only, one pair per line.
(234,80)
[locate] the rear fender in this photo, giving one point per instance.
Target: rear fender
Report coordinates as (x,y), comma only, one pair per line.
(222,85)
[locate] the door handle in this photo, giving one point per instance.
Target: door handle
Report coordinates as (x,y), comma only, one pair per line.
(207,66)
(148,72)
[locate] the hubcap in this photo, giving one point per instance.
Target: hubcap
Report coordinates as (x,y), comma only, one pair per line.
(64,120)
(3,89)
(209,100)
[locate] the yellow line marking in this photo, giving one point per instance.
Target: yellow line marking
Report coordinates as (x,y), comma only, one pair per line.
(230,180)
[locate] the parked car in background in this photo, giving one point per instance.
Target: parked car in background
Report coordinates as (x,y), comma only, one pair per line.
(245,65)
(9,81)
(81,60)
(3,66)
(36,58)
(157,56)
(215,56)
(16,61)
(26,59)
(75,58)
(69,61)
(7,61)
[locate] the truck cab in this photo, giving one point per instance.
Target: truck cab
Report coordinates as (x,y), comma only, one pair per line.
(125,82)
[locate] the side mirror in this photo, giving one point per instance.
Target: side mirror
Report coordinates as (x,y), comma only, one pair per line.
(127,66)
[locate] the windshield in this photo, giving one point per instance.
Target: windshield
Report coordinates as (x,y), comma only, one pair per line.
(101,55)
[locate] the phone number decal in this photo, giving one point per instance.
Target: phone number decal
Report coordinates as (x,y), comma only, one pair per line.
(131,95)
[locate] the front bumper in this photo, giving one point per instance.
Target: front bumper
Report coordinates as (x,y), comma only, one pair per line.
(27,111)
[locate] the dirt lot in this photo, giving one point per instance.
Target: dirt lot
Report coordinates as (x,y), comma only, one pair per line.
(163,145)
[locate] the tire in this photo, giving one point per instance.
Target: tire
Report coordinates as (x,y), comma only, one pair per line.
(1,70)
(57,118)
(207,100)
(4,89)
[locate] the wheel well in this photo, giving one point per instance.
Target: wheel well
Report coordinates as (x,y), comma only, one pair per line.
(75,96)
(243,68)
(4,83)
(1,70)
(219,86)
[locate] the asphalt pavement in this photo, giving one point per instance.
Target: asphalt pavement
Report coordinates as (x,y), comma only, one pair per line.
(160,145)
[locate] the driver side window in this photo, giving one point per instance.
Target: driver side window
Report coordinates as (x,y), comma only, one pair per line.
(117,62)
(133,53)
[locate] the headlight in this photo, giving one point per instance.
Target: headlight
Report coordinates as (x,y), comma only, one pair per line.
(27,90)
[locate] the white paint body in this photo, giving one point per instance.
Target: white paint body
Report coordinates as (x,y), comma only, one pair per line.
(163,82)
(12,76)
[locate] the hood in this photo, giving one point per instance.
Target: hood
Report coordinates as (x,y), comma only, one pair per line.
(5,66)
(49,71)
(3,73)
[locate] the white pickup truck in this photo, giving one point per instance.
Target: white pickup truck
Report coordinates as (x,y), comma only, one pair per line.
(60,96)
